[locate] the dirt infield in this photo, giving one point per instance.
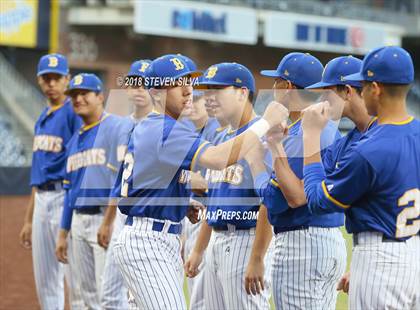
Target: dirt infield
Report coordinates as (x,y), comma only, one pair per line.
(17,287)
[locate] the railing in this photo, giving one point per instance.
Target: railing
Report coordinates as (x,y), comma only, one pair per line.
(23,100)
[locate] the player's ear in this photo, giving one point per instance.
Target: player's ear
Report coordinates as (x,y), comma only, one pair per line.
(290,85)
(376,89)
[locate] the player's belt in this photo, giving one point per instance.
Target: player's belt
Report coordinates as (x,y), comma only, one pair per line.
(90,210)
(229,227)
(370,237)
(158,226)
(293,228)
(51,186)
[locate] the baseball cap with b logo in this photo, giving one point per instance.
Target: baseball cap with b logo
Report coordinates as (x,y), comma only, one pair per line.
(301,69)
(171,67)
(388,64)
(53,63)
(139,68)
(228,74)
(85,81)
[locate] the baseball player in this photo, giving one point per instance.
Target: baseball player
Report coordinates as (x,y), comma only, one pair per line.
(53,130)
(114,293)
(228,255)
(148,249)
(382,170)
(310,252)
(90,173)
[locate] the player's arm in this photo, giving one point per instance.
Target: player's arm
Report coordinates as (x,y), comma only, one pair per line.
(25,235)
(286,180)
(105,230)
(254,275)
(196,256)
(225,154)
(65,225)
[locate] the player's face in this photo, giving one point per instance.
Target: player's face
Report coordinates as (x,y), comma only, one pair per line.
(280,88)
(53,85)
(338,101)
(139,96)
(198,109)
(370,97)
(86,103)
(177,99)
(225,101)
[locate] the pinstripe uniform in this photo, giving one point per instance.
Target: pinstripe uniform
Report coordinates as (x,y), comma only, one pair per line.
(229,251)
(382,211)
(310,251)
(148,249)
(92,157)
(52,132)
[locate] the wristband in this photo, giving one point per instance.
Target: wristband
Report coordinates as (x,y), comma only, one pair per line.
(260,127)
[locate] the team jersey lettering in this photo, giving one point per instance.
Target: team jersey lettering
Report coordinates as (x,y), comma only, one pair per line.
(91,157)
(232,174)
(48,143)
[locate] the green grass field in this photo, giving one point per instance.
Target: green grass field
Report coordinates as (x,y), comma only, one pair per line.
(342,298)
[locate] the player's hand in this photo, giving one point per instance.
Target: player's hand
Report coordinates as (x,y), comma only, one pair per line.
(254,277)
(276,114)
(344,283)
(315,117)
(199,185)
(25,236)
(194,210)
(104,235)
(61,247)
(192,264)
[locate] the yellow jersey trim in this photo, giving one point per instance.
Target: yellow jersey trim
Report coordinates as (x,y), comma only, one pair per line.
(66,182)
(196,154)
(408,120)
(272,181)
(371,122)
(55,108)
(86,128)
(294,123)
(332,199)
(231,131)
(221,128)
(113,168)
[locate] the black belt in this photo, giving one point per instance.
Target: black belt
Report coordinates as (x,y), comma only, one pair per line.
(293,228)
(384,239)
(51,186)
(226,228)
(90,210)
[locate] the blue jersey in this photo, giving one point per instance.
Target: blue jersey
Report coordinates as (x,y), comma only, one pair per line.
(280,214)
(334,153)
(91,165)
(153,185)
(377,183)
(53,130)
(232,190)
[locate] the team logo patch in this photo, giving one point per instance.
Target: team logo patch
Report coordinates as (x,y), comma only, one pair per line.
(177,63)
(370,73)
(78,79)
(143,67)
(286,72)
(52,61)
(238,80)
(211,72)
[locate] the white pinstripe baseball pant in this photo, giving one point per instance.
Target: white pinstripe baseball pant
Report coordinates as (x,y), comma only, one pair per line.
(227,258)
(89,257)
(48,272)
(114,292)
(307,266)
(151,265)
(385,275)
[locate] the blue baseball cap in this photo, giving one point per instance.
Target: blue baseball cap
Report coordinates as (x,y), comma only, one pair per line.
(388,64)
(171,67)
(229,74)
(301,69)
(85,81)
(139,68)
(53,63)
(191,64)
(336,69)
